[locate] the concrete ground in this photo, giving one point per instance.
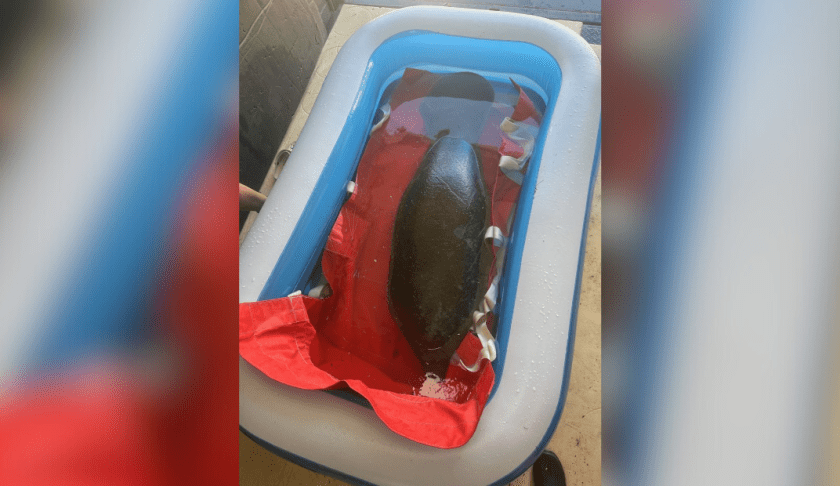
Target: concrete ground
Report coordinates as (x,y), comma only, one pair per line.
(577,439)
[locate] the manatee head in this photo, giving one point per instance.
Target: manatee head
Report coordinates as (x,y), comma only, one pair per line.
(457,105)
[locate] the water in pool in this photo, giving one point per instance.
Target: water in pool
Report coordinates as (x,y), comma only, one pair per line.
(436,186)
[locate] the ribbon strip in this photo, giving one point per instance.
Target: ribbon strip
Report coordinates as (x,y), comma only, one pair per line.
(525,135)
(386,113)
(495,235)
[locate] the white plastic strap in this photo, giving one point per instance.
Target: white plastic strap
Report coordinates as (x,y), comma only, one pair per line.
(386,113)
(510,163)
(508,125)
(495,233)
(488,348)
(317,292)
(519,131)
(525,135)
(488,303)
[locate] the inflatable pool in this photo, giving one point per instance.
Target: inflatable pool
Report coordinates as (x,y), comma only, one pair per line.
(541,276)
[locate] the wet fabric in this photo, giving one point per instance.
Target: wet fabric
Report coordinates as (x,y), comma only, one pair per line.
(349,339)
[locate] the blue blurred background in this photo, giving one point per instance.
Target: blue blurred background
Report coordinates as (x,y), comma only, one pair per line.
(118,242)
(721,162)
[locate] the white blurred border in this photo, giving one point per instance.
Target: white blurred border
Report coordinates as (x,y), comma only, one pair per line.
(60,174)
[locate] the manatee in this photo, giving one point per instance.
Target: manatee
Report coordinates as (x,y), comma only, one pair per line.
(439,264)
(457,105)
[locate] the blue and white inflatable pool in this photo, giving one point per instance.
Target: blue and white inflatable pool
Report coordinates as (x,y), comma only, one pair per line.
(541,280)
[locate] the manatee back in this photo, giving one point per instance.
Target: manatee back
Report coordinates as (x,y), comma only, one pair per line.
(439,264)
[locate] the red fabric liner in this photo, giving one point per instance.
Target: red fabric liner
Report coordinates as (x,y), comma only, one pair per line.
(350,339)
(524,107)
